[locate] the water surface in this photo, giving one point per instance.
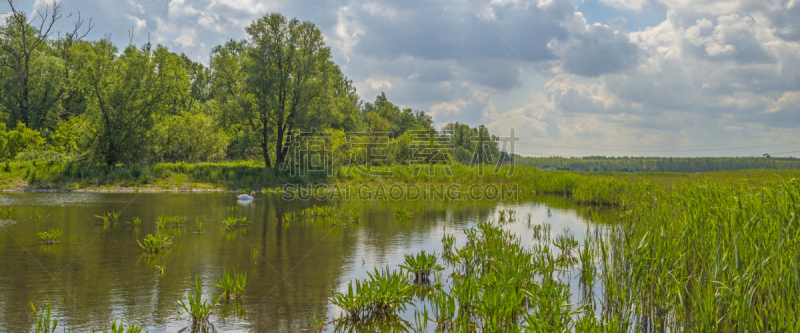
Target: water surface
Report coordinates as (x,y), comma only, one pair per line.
(98,273)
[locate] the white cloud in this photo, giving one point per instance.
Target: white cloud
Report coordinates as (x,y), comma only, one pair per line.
(137,22)
(626,4)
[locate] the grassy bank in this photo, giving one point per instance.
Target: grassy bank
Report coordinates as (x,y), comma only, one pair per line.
(714,252)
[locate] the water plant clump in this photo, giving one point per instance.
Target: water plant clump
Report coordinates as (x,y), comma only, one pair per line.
(198,309)
(109,217)
(50,236)
(155,243)
(232,285)
(46,320)
(232,222)
(170,221)
(234,219)
(378,297)
(322,215)
(421,265)
(7,212)
(120,328)
(136,222)
(401,213)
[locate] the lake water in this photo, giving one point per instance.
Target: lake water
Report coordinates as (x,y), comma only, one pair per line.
(98,273)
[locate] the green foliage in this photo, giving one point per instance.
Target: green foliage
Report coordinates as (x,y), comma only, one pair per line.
(46,321)
(169,221)
(232,284)
(126,91)
(284,96)
(401,213)
(50,236)
(155,243)
(19,140)
(421,265)
(136,222)
(197,308)
(322,215)
(109,217)
(380,296)
(188,137)
(120,328)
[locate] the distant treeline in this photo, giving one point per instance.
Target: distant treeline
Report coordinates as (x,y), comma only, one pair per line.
(657,164)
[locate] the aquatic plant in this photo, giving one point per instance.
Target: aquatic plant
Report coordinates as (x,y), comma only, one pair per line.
(7,212)
(401,213)
(160,269)
(198,309)
(254,255)
(232,285)
(135,222)
(120,328)
(232,222)
(40,216)
(421,265)
(109,217)
(317,324)
(507,215)
(170,221)
(155,243)
(379,296)
(50,236)
(46,321)
(322,215)
(199,225)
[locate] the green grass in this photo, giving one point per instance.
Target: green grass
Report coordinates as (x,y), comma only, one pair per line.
(421,265)
(50,236)
(197,308)
(155,243)
(322,216)
(46,321)
(170,221)
(232,285)
(109,217)
(380,296)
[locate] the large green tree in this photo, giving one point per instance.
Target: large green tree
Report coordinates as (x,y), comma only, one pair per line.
(287,71)
(127,92)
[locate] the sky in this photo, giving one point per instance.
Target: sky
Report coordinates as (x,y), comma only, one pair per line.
(573,78)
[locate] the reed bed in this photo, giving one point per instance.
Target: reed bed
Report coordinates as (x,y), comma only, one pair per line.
(698,253)
(322,216)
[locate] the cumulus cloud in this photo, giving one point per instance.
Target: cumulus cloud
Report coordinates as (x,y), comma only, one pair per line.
(595,50)
(715,72)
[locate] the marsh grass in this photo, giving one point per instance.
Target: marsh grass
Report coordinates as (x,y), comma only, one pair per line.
(232,285)
(46,321)
(7,212)
(120,328)
(379,297)
(402,214)
(322,216)
(170,221)
(232,222)
(421,266)
(155,243)
(136,222)
(109,217)
(50,236)
(197,308)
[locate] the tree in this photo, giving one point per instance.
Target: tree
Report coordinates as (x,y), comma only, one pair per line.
(286,71)
(125,94)
(36,81)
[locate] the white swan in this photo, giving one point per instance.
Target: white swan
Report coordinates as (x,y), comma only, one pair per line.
(247,197)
